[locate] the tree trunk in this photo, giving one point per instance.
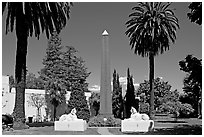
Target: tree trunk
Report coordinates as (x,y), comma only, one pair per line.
(20,70)
(54,117)
(151,81)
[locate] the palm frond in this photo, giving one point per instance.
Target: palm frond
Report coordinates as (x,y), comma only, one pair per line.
(151,28)
(40,16)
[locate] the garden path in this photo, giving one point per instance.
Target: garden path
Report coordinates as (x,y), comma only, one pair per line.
(104,131)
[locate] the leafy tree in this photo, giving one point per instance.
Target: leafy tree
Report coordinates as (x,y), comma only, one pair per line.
(56,93)
(151,28)
(193,81)
(28,18)
(117,103)
(162,92)
(130,95)
(78,100)
(196,12)
(38,101)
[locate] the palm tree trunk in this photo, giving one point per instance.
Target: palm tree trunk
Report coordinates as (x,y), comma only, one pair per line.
(151,81)
(20,72)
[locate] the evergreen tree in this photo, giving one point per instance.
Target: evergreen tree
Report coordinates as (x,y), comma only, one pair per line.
(75,74)
(78,100)
(117,102)
(73,68)
(52,73)
(130,95)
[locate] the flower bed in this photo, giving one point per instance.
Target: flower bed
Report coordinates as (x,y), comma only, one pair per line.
(100,121)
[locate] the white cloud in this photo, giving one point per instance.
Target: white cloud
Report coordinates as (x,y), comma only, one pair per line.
(123,80)
(136,84)
(94,88)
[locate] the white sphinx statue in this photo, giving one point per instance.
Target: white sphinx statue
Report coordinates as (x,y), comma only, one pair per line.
(137,122)
(137,116)
(70,117)
(70,122)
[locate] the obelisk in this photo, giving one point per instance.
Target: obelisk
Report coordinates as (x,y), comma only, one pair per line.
(105,83)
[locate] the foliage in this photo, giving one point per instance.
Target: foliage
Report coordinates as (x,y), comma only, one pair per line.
(196,12)
(193,80)
(28,18)
(144,108)
(162,91)
(151,28)
(170,107)
(186,110)
(52,73)
(130,96)
(146,28)
(40,124)
(94,102)
(56,93)
(100,121)
(176,108)
(78,100)
(117,99)
(33,82)
(74,69)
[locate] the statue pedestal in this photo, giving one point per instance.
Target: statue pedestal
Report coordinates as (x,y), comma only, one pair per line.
(75,125)
(129,125)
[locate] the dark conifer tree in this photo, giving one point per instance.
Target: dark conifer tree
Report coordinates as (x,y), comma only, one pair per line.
(117,96)
(130,95)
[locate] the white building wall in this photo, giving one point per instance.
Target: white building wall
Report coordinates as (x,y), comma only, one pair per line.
(5,84)
(30,111)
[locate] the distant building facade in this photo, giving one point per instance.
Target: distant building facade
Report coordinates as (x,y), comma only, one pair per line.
(8,99)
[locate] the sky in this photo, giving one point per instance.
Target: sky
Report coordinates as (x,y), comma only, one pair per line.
(84,32)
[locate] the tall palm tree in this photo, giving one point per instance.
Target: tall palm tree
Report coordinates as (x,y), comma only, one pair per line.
(151,29)
(28,19)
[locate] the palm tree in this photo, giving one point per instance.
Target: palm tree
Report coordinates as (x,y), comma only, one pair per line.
(28,19)
(151,28)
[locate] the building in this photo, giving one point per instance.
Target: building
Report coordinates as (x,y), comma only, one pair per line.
(8,99)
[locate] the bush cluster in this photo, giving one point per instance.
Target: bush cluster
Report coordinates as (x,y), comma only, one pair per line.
(7,122)
(100,121)
(144,108)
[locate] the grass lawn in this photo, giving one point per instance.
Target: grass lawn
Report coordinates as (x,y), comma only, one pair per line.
(49,131)
(192,126)
(178,130)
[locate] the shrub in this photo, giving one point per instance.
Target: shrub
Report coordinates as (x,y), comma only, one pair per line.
(40,124)
(186,110)
(144,108)
(7,119)
(100,121)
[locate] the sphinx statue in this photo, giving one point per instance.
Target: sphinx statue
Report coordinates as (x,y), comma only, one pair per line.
(137,116)
(70,117)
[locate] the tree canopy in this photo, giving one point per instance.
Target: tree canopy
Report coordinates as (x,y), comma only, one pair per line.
(195,15)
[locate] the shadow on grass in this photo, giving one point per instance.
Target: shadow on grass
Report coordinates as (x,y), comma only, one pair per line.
(177,130)
(171,121)
(40,124)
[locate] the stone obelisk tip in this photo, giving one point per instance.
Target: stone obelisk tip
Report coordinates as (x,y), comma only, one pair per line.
(105,33)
